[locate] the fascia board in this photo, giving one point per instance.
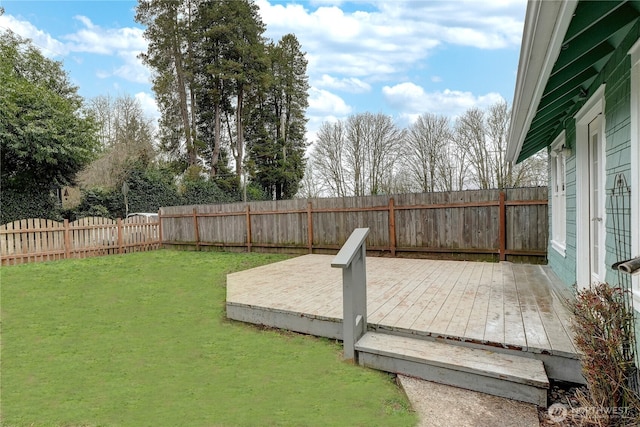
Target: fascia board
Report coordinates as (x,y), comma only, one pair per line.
(546,23)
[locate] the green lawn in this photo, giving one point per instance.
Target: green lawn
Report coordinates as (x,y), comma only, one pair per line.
(142,340)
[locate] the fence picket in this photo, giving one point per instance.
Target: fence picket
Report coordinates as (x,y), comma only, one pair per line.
(465,222)
(39,239)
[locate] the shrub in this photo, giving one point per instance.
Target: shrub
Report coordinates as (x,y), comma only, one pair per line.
(97,202)
(21,204)
(603,326)
(202,191)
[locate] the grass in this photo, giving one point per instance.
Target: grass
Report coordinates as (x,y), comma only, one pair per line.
(142,340)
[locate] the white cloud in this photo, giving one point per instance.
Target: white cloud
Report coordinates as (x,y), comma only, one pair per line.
(391,37)
(133,69)
(324,106)
(105,41)
(49,46)
(325,103)
(412,100)
(436,79)
(149,105)
(125,43)
(347,84)
(487,24)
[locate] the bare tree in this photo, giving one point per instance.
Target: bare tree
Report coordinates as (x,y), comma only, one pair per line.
(481,136)
(497,127)
(311,185)
(426,152)
(373,144)
(533,172)
(355,153)
(383,146)
(369,154)
(126,135)
(470,138)
(327,157)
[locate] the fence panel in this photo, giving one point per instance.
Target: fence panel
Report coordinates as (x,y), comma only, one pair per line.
(502,225)
(38,239)
(510,225)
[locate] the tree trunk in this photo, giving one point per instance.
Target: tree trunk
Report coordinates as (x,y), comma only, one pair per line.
(184,108)
(215,153)
(239,137)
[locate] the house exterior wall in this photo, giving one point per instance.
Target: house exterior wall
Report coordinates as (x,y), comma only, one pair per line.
(617,119)
(618,155)
(565,265)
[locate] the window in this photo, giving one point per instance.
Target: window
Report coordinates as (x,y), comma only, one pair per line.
(558,195)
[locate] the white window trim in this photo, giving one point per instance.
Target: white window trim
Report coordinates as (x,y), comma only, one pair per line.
(588,112)
(634,52)
(559,246)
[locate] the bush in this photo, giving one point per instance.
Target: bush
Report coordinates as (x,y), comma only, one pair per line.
(603,326)
(21,204)
(150,189)
(97,202)
(201,191)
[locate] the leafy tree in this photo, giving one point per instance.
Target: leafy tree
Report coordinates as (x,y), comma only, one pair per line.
(201,190)
(212,41)
(170,55)
(244,67)
(276,131)
(45,137)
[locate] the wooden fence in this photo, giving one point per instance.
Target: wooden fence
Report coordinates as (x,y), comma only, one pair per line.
(32,240)
(481,224)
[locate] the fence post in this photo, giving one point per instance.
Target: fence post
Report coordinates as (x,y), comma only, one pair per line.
(392,227)
(248,210)
(502,228)
(120,236)
(160,226)
(67,240)
(310,227)
(196,229)
(352,260)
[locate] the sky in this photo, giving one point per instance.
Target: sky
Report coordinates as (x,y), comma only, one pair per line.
(397,57)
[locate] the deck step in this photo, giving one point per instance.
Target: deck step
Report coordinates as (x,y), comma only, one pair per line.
(504,375)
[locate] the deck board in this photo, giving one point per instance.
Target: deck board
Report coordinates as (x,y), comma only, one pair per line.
(504,304)
(513,324)
(480,308)
(533,327)
(427,309)
(494,326)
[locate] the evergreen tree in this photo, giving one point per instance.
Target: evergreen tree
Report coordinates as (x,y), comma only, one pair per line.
(169,55)
(277,133)
(229,67)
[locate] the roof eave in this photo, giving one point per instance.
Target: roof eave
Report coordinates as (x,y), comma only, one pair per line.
(546,23)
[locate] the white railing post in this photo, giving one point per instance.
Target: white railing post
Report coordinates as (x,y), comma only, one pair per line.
(352,260)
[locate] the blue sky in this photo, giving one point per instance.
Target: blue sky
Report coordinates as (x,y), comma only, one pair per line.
(402,58)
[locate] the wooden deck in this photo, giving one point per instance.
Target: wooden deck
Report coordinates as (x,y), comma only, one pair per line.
(511,307)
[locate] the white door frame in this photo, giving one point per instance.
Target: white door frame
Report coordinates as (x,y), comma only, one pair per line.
(590,110)
(597,200)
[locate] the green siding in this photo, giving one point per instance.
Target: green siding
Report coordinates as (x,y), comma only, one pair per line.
(565,267)
(618,150)
(616,74)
